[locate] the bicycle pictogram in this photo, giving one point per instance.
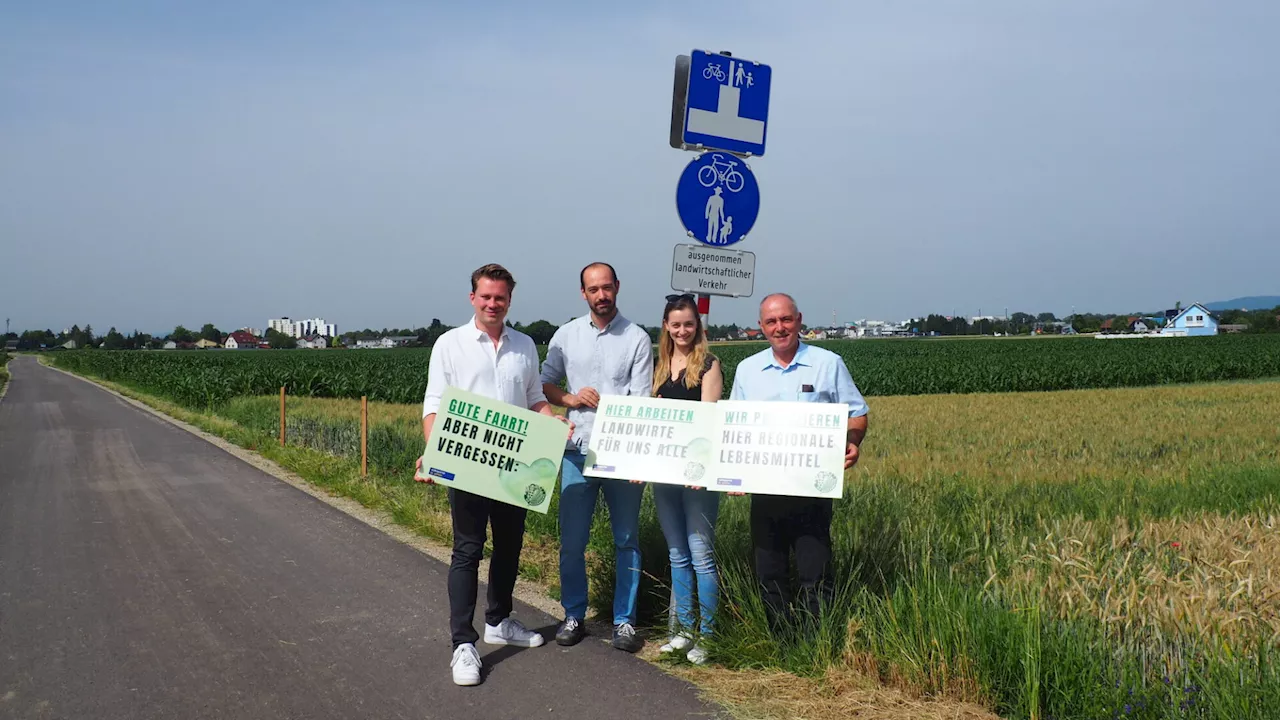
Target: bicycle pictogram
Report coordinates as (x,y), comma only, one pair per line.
(721,170)
(714,71)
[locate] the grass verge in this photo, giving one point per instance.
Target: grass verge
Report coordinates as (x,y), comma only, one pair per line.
(4,372)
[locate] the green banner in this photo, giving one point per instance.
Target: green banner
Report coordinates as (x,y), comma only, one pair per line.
(763,448)
(495,450)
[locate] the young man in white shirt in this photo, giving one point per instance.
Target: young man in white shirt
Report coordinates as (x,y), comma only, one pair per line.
(485,357)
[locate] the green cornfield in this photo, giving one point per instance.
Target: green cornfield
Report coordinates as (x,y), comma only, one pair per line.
(880,367)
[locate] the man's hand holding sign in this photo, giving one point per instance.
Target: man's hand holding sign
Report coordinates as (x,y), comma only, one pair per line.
(587,397)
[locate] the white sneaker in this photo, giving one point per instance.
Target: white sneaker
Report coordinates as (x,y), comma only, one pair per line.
(676,643)
(698,655)
(466,665)
(511,632)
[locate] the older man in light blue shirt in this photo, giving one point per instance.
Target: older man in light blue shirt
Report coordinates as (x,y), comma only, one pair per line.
(789,370)
(601,353)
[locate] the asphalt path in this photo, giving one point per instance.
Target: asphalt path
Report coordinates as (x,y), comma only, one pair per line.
(145,573)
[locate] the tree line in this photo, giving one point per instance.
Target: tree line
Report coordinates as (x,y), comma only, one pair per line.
(114,339)
(1019,323)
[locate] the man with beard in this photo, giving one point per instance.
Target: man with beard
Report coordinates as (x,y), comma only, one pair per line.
(600,353)
(792,371)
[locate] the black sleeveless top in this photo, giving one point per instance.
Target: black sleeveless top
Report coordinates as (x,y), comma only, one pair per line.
(674,388)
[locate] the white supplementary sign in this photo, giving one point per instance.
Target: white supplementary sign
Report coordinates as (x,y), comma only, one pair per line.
(711,271)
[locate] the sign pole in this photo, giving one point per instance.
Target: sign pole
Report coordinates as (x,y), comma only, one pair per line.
(719,109)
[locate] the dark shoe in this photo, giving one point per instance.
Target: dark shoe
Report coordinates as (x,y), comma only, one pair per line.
(570,632)
(624,638)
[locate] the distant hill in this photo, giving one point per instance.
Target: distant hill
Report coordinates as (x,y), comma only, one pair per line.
(1257,302)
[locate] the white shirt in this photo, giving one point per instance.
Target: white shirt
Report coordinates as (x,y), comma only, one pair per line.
(465,358)
(617,360)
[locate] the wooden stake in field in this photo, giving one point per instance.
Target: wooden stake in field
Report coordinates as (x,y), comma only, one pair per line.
(364,436)
(281,416)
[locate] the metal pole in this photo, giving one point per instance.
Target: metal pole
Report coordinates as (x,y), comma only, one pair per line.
(704,309)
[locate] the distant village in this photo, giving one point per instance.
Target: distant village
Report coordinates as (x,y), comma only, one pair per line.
(1175,322)
(312,334)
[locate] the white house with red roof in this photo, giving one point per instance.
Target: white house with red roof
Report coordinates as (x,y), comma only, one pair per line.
(241,339)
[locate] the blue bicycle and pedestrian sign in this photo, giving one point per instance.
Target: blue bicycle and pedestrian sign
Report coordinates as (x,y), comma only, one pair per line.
(717,199)
(727,103)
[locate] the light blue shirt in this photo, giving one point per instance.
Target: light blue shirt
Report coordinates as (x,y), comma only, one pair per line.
(617,360)
(814,375)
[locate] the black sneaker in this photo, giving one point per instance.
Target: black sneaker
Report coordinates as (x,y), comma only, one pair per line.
(570,632)
(624,638)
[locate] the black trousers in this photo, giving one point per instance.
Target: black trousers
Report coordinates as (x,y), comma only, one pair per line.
(780,524)
(471,515)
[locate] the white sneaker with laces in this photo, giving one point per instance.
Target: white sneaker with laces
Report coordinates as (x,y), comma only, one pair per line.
(676,643)
(698,655)
(511,632)
(466,665)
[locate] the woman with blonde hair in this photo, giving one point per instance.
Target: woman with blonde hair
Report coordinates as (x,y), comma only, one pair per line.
(686,370)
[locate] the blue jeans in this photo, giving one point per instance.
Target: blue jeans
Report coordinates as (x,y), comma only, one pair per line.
(688,519)
(577,507)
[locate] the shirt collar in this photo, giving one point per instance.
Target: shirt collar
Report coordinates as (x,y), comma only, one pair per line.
(799,359)
(617,322)
(482,334)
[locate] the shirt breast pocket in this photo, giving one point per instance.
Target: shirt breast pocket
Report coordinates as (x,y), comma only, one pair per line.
(517,370)
(620,375)
(812,392)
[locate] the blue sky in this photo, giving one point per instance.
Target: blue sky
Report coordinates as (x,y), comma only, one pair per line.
(163,163)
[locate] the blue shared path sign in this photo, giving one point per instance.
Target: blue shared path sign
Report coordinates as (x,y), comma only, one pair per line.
(717,198)
(727,107)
